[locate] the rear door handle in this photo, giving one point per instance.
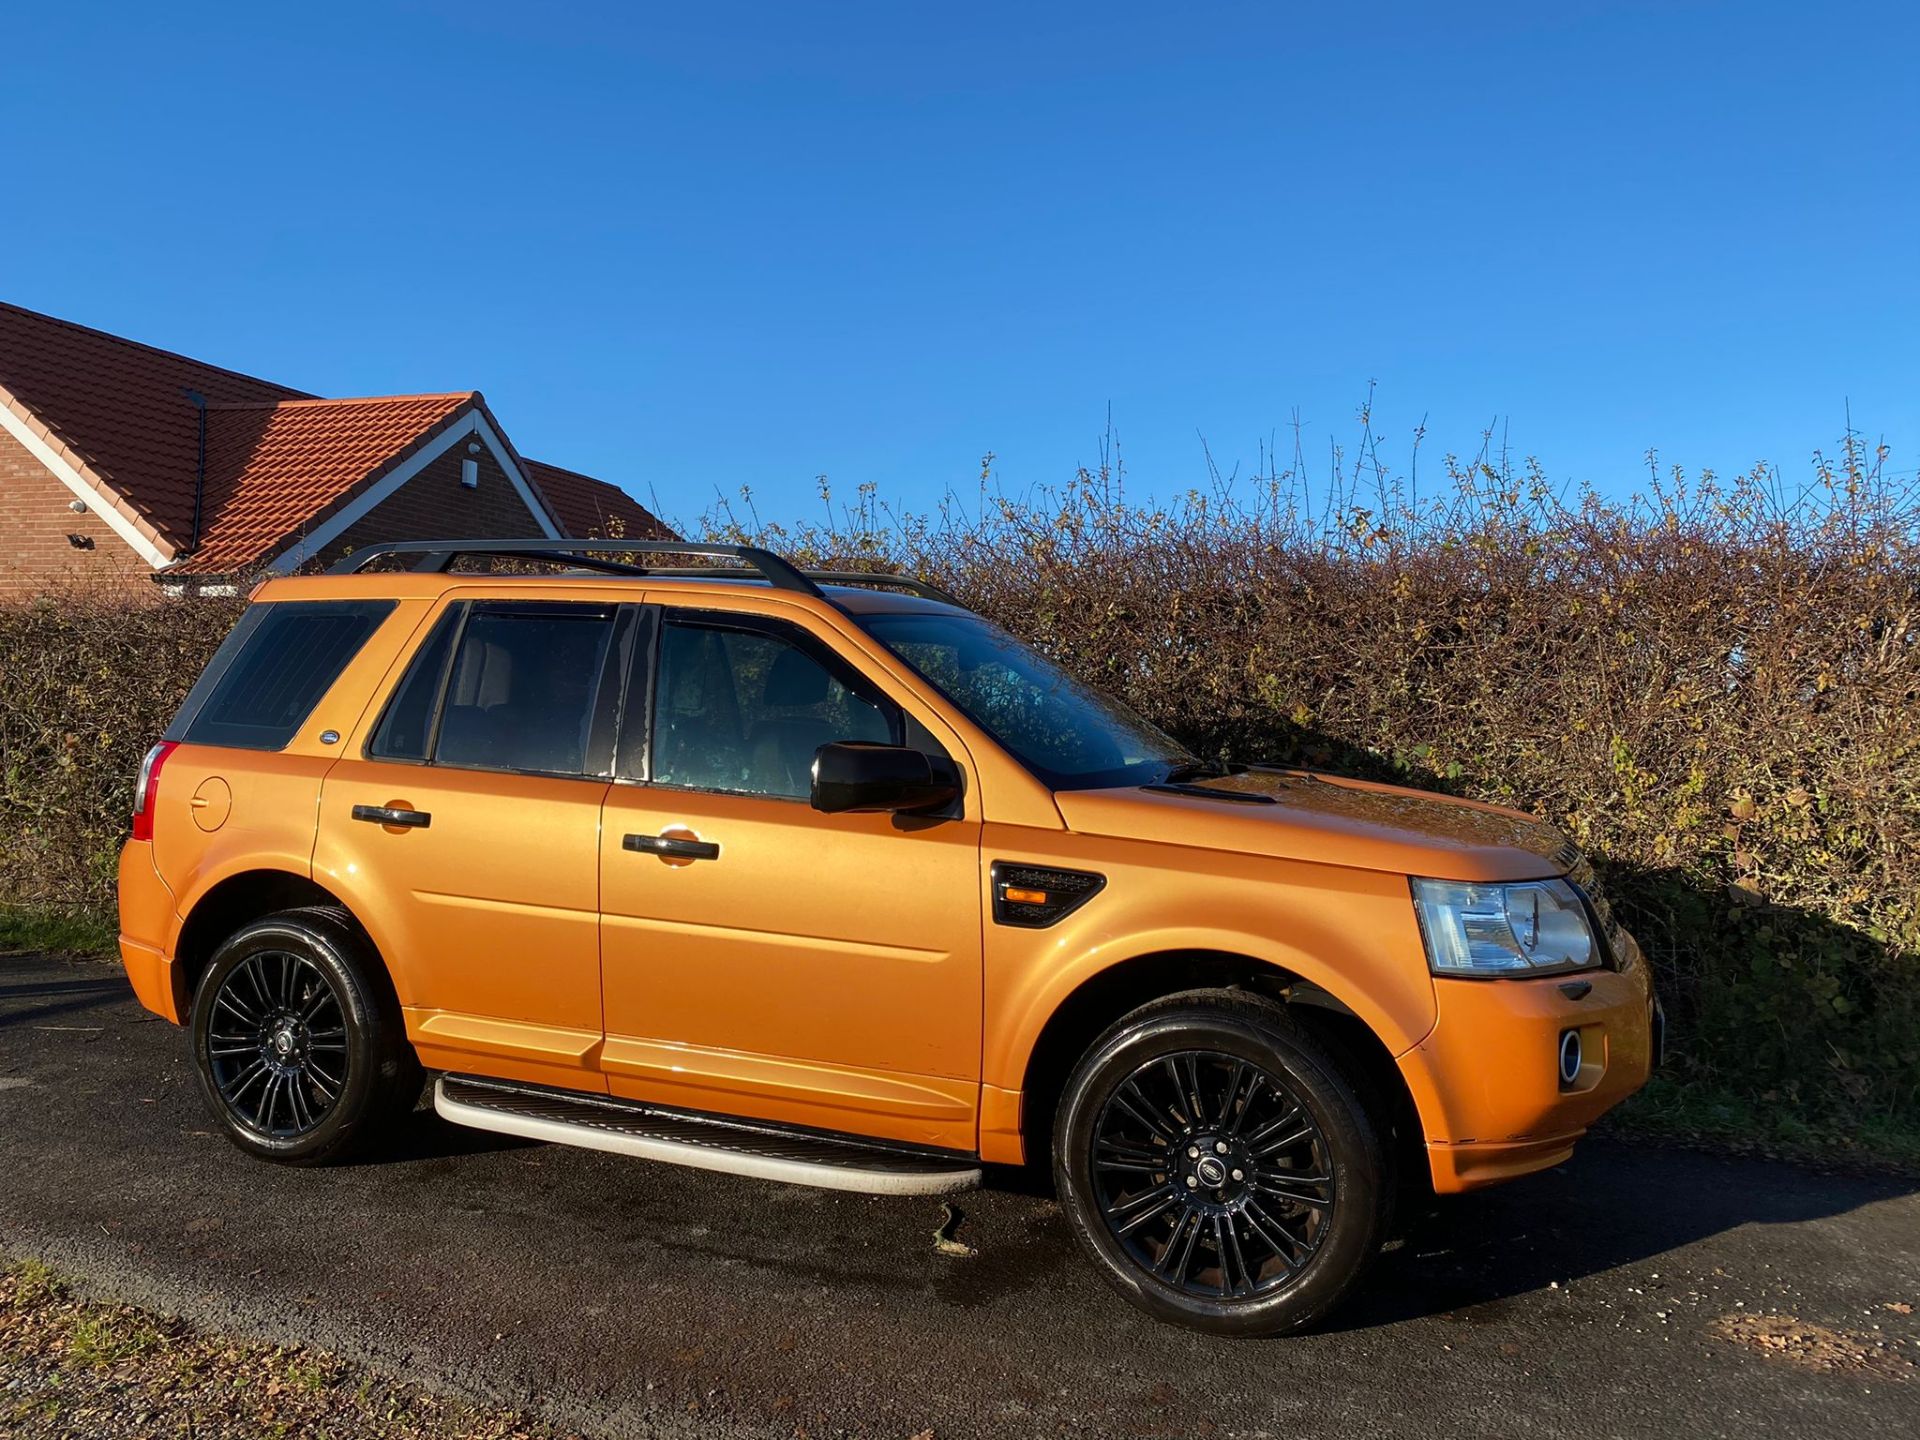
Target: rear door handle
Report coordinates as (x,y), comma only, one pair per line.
(674,847)
(389,815)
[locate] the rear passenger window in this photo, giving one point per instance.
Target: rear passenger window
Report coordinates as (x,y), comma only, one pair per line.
(264,681)
(525,688)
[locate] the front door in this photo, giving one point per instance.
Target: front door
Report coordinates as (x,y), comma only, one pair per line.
(761,958)
(473,810)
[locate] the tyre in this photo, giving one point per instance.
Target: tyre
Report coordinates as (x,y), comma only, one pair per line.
(298,1040)
(1218,1164)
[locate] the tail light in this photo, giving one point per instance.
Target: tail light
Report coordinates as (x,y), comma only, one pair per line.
(146,789)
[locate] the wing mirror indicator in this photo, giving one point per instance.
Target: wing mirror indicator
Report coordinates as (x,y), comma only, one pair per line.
(854,775)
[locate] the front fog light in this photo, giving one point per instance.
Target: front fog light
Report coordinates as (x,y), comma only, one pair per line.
(1569,1056)
(1529,928)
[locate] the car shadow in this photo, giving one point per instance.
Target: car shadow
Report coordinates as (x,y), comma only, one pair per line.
(1614,1204)
(35,1001)
(424,1136)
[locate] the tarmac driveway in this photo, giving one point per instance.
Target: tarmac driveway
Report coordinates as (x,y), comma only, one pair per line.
(1633,1292)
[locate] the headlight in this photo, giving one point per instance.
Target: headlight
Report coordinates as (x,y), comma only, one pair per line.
(1529,928)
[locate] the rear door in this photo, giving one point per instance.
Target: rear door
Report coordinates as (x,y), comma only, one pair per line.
(468,822)
(822,970)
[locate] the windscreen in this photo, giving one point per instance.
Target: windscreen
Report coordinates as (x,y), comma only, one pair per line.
(1069,734)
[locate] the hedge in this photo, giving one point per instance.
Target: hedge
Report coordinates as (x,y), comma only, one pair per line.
(1713,689)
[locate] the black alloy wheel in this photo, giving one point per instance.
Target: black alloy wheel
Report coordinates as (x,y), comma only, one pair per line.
(277,1044)
(1211,1175)
(1217,1161)
(298,1039)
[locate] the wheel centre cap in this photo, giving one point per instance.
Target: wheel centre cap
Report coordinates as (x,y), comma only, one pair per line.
(283,1041)
(1211,1171)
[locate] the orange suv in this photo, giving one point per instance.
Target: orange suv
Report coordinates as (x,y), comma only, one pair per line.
(822,878)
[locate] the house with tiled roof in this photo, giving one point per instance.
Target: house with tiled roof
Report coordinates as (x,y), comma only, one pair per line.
(120,462)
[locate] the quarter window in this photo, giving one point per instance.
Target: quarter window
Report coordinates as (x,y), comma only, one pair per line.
(272,670)
(744,710)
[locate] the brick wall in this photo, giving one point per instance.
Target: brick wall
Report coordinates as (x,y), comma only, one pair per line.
(434,506)
(35,553)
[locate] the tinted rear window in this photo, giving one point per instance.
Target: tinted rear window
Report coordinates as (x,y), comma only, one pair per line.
(272,670)
(525,687)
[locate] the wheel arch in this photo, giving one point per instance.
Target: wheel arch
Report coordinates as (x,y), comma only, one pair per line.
(1117,990)
(233,902)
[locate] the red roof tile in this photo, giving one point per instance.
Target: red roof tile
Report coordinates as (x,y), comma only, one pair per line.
(592,509)
(120,408)
(271,469)
(277,459)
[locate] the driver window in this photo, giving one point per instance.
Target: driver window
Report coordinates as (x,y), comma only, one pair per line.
(744,710)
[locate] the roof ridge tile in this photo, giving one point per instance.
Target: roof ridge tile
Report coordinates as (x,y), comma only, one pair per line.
(317,401)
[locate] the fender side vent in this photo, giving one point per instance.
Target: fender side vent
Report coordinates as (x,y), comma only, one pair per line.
(1033,897)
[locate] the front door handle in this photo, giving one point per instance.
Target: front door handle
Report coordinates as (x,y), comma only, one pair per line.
(672,847)
(392,815)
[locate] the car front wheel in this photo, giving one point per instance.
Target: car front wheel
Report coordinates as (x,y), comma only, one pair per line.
(1216,1160)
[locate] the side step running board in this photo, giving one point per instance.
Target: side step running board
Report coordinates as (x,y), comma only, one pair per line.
(766,1152)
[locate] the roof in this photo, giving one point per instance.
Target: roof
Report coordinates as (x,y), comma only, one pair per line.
(592,509)
(272,468)
(119,410)
(277,459)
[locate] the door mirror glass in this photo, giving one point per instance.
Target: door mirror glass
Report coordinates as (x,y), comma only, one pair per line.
(850,776)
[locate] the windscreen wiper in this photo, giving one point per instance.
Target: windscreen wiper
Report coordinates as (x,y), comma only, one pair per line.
(1188,771)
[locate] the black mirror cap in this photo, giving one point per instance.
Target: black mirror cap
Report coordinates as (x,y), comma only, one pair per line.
(856,775)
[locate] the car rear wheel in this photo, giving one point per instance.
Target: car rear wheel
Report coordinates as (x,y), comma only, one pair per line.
(1217,1162)
(298,1040)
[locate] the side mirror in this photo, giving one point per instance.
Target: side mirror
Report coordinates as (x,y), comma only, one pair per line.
(857,775)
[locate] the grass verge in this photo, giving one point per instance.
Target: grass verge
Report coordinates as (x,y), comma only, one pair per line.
(76,1367)
(1709,1118)
(77,930)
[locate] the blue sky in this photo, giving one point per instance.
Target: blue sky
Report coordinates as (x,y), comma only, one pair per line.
(692,248)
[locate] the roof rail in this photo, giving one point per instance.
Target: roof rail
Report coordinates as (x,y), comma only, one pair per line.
(922,588)
(437,556)
(886,580)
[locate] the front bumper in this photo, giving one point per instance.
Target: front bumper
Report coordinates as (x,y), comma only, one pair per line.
(1486,1079)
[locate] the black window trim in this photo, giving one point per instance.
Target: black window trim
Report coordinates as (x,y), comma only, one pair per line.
(457,612)
(901,724)
(622,616)
(638,684)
